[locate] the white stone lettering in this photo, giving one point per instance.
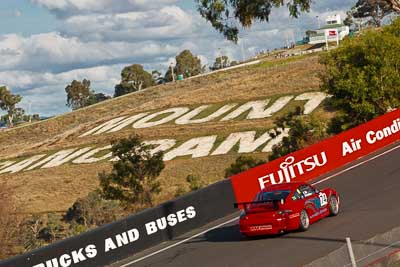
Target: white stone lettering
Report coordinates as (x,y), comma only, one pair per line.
(89,156)
(161,145)
(277,106)
(256,107)
(314,100)
(247,142)
(196,147)
(277,140)
(59,158)
(5,164)
(104,127)
(188,118)
(147,122)
(114,125)
(22,164)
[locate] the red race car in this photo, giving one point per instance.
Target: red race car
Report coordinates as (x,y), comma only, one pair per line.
(285,207)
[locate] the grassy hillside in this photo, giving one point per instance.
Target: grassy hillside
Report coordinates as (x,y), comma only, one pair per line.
(55,189)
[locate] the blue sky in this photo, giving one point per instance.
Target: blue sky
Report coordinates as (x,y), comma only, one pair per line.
(45,44)
(21,16)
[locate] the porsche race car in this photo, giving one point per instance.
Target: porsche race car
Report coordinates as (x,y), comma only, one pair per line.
(287,207)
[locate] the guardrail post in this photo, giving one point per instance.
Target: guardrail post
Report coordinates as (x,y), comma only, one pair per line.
(351,253)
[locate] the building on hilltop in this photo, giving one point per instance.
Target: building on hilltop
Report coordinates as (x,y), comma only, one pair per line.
(333,31)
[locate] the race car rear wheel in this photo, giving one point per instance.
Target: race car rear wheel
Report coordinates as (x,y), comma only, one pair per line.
(333,206)
(304,221)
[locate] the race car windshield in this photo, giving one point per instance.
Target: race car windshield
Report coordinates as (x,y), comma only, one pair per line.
(272,195)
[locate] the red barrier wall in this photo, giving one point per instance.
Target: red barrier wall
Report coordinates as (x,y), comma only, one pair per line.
(318,159)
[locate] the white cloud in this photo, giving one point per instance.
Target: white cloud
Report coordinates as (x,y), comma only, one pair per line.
(43,92)
(95,39)
(163,24)
(26,80)
(63,8)
(56,53)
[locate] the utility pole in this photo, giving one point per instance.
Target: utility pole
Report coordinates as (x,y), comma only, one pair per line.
(30,110)
(242,48)
(319,23)
(172,72)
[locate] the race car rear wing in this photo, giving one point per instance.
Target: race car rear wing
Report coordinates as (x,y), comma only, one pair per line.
(244,204)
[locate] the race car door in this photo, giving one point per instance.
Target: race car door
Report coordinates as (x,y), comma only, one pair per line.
(312,203)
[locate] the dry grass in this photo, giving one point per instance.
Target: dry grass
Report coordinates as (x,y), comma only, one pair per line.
(263,80)
(9,222)
(50,190)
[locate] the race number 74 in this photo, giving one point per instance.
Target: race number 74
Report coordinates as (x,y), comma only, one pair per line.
(323,198)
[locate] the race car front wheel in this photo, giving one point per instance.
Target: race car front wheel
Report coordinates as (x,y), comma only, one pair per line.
(304,221)
(333,206)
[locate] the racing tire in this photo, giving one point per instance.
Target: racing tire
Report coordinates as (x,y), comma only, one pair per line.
(333,206)
(304,221)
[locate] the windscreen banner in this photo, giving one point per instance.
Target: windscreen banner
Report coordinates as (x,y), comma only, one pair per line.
(321,158)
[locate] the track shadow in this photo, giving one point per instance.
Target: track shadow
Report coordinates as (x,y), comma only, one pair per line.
(231,234)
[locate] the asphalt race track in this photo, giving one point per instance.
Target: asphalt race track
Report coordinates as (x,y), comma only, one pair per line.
(370,199)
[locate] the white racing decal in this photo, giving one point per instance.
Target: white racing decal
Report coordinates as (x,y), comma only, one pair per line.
(323,199)
(289,169)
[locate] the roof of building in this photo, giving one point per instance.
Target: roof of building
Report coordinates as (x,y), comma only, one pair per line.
(332,26)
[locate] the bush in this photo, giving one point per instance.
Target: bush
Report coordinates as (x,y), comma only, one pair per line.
(91,211)
(195,182)
(363,76)
(242,163)
(304,131)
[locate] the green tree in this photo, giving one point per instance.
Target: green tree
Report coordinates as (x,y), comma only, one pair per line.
(133,78)
(221,63)
(134,177)
(224,15)
(8,103)
(242,163)
(304,131)
(95,98)
(375,10)
(78,94)
(188,64)
(363,77)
